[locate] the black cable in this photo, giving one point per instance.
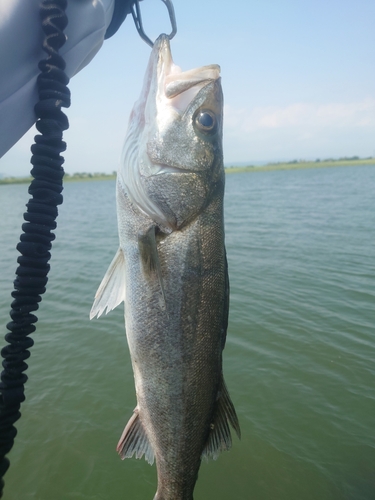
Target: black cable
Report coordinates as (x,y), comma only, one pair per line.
(36,240)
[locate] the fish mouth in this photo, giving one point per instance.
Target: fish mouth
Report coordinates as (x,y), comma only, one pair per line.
(177,86)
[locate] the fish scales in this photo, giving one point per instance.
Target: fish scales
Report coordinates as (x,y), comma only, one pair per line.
(171,272)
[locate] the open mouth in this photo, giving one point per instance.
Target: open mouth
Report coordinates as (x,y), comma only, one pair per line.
(180,87)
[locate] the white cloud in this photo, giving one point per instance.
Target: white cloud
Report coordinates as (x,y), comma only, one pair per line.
(302,130)
(307,115)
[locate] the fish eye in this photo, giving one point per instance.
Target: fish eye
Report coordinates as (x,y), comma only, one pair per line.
(205,120)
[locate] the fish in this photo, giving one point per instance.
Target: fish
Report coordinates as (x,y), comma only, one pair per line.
(171,272)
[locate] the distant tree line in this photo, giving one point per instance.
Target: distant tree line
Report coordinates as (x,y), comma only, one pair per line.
(88,175)
(318,160)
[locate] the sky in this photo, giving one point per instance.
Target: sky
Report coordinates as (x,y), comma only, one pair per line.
(298,79)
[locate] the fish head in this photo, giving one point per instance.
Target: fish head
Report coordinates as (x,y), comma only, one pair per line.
(172,158)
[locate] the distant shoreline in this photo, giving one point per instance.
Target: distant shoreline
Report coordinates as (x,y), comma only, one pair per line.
(300,165)
(228,170)
(67,178)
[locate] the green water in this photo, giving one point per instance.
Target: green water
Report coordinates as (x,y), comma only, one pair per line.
(299,360)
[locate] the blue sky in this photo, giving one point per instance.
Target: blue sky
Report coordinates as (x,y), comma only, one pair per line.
(298,80)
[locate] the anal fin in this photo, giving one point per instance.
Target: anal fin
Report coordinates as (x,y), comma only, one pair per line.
(134,440)
(220,438)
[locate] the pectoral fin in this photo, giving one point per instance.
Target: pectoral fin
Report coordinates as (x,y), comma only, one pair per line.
(150,258)
(111,291)
(134,440)
(220,438)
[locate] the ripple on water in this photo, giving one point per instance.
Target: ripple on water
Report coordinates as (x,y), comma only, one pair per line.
(298,360)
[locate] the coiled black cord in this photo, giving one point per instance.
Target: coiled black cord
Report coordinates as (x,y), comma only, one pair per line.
(36,240)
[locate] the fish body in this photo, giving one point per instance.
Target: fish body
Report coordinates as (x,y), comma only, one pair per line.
(171,272)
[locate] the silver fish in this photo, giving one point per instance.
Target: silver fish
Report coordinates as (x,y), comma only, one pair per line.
(171,272)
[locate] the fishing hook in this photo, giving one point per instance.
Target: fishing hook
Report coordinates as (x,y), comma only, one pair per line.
(136,13)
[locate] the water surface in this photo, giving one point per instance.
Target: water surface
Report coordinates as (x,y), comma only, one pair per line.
(299,360)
